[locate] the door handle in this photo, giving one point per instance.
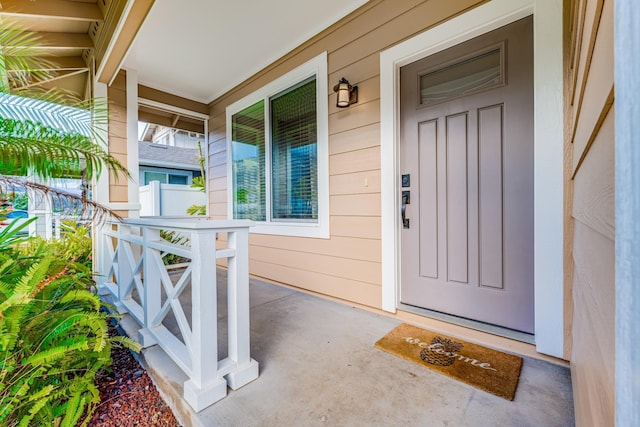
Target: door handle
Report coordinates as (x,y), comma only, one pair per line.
(406,200)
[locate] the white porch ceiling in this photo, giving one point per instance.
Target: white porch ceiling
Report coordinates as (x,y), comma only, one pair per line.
(199,49)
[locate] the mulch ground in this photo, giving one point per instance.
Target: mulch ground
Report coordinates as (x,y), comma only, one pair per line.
(129,397)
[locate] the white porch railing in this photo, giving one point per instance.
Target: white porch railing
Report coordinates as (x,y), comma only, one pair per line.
(133,273)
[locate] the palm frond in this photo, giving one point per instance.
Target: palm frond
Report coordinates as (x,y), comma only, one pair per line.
(20,61)
(49,152)
(88,208)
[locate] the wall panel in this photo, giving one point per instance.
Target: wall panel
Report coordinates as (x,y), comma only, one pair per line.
(590,222)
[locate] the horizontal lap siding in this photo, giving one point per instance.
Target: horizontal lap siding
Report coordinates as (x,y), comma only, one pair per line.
(348,264)
(591,235)
(117,94)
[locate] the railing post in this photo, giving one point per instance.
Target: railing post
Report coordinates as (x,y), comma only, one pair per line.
(246,369)
(101,258)
(124,272)
(204,386)
(151,300)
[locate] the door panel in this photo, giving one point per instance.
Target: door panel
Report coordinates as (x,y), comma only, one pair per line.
(428,200)
(490,196)
(467,143)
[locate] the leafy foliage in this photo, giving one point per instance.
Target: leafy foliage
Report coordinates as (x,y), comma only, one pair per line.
(53,334)
(199,182)
(176,239)
(46,133)
(48,152)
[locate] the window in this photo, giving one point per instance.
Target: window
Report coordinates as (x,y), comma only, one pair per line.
(278,166)
(468,76)
(182,178)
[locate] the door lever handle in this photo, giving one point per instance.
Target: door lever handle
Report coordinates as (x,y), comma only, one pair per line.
(406,200)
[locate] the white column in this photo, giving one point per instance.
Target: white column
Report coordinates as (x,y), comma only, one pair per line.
(100,194)
(132,143)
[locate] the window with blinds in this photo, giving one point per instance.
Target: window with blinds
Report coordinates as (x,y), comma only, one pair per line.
(279,154)
(293,157)
(294,154)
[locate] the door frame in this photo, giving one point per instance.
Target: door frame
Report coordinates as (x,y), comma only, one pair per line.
(548,150)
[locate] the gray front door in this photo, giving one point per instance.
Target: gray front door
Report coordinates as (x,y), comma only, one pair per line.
(467,157)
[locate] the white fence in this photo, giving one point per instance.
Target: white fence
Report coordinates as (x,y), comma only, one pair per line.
(132,271)
(169,199)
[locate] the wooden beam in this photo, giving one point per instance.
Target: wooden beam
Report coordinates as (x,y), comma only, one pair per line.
(47,40)
(65,41)
(77,11)
(67,63)
(60,76)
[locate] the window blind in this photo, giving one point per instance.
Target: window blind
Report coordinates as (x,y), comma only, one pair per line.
(294,189)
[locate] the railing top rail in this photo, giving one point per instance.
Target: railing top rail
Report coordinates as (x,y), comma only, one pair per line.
(188,223)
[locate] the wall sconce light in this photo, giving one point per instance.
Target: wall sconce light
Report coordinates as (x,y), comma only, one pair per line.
(346,94)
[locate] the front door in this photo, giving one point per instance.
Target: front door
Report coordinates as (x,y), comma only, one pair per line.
(467,188)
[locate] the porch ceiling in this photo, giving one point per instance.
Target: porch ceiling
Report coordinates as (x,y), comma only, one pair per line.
(199,49)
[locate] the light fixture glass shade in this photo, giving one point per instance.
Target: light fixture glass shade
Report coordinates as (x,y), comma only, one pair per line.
(344,93)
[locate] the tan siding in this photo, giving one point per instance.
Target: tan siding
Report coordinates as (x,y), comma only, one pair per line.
(118,186)
(365,227)
(367,159)
(341,247)
(589,31)
(347,265)
(355,139)
(358,115)
(590,228)
(118,129)
(355,183)
(366,68)
(355,205)
(217,159)
(338,287)
(598,88)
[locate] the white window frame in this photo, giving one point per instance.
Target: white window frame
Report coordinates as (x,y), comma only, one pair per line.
(316,67)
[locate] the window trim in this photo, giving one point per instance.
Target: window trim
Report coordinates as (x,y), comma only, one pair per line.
(317,67)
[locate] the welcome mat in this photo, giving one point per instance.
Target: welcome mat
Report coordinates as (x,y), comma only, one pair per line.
(489,370)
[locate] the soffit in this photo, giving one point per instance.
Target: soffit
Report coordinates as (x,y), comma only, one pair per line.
(199,49)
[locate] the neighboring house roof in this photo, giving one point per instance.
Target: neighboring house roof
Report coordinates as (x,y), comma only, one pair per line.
(150,154)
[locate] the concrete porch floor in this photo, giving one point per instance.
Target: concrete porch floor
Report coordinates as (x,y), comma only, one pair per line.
(319,367)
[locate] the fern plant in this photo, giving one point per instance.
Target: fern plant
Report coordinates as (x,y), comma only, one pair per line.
(53,336)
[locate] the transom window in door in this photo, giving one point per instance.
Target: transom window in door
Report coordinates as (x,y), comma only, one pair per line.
(464,77)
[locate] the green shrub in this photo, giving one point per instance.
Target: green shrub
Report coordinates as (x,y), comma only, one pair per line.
(177,239)
(53,333)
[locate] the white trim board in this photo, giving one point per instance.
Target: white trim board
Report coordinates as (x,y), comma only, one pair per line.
(548,150)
